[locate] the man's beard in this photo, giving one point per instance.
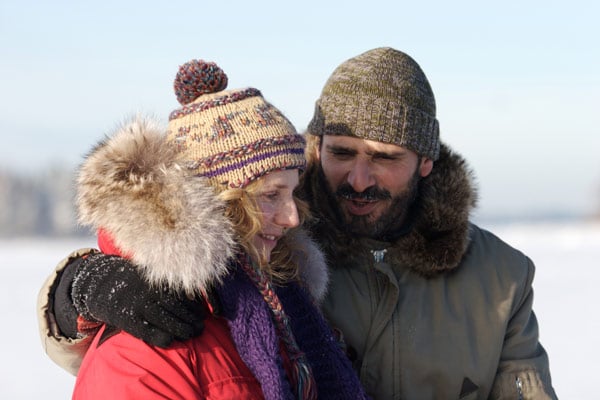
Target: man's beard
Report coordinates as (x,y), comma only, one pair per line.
(389,222)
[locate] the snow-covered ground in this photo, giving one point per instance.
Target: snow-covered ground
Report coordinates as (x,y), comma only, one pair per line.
(567,256)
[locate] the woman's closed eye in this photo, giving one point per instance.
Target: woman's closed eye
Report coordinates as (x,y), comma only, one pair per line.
(271,196)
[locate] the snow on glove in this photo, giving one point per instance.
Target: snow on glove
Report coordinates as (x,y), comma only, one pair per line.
(110,289)
(64,311)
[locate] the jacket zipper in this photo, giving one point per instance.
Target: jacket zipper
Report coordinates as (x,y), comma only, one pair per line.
(519,388)
(378,255)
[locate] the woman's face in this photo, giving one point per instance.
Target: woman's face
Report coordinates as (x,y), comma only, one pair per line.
(276,202)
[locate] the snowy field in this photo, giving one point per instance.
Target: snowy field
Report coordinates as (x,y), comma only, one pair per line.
(567,257)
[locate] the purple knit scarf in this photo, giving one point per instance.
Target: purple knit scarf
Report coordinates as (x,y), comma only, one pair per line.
(253,331)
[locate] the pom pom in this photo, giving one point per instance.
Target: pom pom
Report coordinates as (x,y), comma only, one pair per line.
(198,77)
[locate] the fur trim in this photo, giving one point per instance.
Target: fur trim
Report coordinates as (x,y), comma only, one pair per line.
(169,223)
(439,234)
(311,261)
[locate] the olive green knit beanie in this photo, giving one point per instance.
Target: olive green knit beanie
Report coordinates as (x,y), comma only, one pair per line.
(380,95)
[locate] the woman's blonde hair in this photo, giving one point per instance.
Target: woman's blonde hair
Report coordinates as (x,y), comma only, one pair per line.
(244,212)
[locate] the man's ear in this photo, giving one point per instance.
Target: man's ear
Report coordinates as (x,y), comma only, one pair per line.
(425,167)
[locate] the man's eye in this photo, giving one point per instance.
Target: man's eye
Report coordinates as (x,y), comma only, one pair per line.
(341,154)
(384,157)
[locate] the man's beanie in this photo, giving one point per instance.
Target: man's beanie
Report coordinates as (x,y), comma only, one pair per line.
(380,95)
(231,137)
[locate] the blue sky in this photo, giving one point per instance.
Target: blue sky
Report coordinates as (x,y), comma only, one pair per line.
(517,83)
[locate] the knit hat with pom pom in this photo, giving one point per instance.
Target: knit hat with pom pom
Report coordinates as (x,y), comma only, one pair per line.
(231,137)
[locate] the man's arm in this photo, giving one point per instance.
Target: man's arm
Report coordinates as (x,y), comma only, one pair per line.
(66,351)
(89,287)
(523,372)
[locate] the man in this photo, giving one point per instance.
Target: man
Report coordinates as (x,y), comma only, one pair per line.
(430,306)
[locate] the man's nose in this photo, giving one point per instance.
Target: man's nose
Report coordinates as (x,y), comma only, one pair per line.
(360,176)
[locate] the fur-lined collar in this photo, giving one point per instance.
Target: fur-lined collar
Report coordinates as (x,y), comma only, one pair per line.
(169,223)
(439,232)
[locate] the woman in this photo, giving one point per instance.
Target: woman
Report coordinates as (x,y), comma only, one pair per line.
(208,209)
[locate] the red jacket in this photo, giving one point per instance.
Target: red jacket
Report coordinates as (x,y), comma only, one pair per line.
(206,367)
(158,215)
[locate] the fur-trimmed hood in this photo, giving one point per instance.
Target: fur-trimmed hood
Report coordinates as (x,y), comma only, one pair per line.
(438,235)
(168,222)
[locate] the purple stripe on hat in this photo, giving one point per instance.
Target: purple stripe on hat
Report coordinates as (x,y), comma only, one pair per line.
(288,140)
(258,157)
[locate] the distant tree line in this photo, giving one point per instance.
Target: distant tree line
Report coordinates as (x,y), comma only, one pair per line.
(40,204)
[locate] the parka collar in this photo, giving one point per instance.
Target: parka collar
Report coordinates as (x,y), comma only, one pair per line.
(439,232)
(170,223)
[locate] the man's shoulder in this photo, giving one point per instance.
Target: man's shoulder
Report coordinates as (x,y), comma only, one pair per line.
(489,254)
(491,242)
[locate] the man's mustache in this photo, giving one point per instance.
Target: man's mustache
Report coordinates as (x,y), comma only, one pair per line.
(371,193)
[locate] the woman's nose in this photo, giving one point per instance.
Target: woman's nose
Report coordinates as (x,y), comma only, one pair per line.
(288,215)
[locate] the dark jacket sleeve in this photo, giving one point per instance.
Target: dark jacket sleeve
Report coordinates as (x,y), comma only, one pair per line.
(523,372)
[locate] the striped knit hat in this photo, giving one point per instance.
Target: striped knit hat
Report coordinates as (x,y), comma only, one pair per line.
(381,95)
(231,137)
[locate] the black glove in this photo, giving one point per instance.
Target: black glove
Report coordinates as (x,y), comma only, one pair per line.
(65,312)
(111,290)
